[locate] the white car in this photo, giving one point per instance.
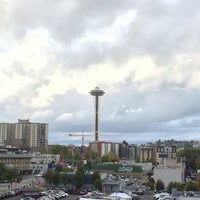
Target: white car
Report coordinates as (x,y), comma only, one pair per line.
(167,197)
(159,195)
(27,198)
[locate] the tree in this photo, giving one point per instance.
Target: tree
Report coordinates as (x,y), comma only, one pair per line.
(64,178)
(95,176)
(159,185)
(105,158)
(98,184)
(49,177)
(9,174)
(69,155)
(96,180)
(191,186)
(62,150)
(88,165)
(79,177)
(2,171)
(192,155)
(109,157)
(176,185)
(151,183)
(58,168)
(56,178)
(12,174)
(77,155)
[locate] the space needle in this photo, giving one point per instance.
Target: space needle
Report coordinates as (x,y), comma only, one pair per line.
(97,93)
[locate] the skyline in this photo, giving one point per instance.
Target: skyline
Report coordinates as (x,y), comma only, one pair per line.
(144,54)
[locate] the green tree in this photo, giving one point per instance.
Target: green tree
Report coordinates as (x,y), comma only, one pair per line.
(79,178)
(198,184)
(105,158)
(60,149)
(109,157)
(9,174)
(69,155)
(96,180)
(151,184)
(56,178)
(2,172)
(191,186)
(88,165)
(98,184)
(176,185)
(67,169)
(77,156)
(192,156)
(58,168)
(49,177)
(64,178)
(12,174)
(159,185)
(95,176)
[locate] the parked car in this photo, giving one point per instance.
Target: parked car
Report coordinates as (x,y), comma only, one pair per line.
(2,195)
(76,191)
(167,197)
(160,195)
(135,197)
(27,198)
(82,192)
(139,191)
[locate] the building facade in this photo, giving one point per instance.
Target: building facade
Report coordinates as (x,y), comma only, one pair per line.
(40,162)
(146,154)
(21,161)
(24,135)
(134,152)
(165,152)
(124,150)
(121,150)
(170,170)
(103,148)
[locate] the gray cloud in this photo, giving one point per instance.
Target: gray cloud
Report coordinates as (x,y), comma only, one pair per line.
(144,54)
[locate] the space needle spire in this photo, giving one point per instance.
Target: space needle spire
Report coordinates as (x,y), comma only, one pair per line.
(97,93)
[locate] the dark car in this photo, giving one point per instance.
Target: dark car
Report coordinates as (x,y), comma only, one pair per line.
(83,191)
(139,191)
(135,197)
(76,191)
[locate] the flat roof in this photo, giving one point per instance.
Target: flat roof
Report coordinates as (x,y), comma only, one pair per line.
(16,155)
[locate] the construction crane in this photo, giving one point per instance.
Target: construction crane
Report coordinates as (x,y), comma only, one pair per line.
(83,135)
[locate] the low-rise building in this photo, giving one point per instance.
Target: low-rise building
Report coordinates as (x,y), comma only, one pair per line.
(162,152)
(40,162)
(21,161)
(112,185)
(171,170)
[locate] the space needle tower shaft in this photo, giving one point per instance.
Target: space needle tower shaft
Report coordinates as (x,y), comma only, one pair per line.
(97,93)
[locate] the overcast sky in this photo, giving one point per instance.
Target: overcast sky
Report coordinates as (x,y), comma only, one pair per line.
(145,55)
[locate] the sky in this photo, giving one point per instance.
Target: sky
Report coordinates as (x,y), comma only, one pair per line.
(144,54)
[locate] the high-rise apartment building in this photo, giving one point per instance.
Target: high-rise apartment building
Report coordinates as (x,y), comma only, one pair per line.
(24,135)
(103,147)
(146,154)
(124,150)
